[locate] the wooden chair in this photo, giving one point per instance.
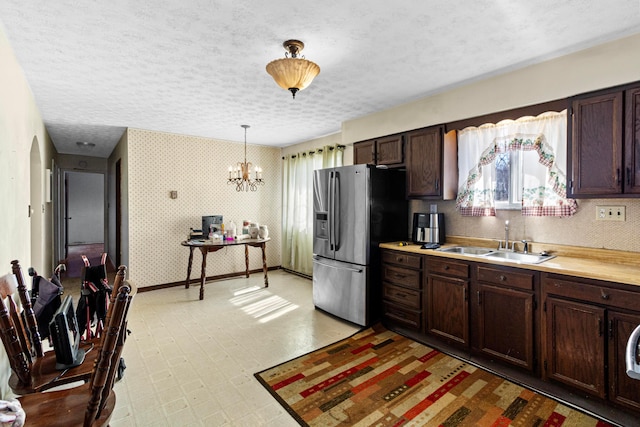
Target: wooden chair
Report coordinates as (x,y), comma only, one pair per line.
(34,374)
(90,404)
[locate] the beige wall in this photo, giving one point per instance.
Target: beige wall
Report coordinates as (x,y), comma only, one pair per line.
(197,168)
(23,142)
(607,65)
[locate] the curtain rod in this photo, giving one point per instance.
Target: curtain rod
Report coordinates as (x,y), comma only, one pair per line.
(319,150)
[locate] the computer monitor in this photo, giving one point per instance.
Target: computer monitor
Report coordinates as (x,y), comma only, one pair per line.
(215,220)
(65,336)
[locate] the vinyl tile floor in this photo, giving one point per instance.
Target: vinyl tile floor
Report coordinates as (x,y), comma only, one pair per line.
(191,362)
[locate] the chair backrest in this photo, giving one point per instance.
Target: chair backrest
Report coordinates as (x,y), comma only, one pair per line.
(95,298)
(29,314)
(107,362)
(120,276)
(10,330)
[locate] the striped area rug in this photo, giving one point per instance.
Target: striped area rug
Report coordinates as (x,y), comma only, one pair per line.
(379,378)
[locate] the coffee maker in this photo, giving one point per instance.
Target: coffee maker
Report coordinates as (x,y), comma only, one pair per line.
(428,228)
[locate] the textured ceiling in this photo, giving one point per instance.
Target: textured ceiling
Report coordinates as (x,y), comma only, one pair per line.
(197,67)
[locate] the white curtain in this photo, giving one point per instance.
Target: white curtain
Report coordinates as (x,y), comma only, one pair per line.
(542,141)
(297,205)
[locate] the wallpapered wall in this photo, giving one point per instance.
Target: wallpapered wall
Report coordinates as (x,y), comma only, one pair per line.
(197,168)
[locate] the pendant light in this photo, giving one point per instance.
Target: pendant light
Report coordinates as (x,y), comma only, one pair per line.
(240,176)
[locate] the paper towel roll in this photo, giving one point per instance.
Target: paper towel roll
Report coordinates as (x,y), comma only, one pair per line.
(8,285)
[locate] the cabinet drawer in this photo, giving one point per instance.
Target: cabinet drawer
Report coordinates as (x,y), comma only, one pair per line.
(403,296)
(402,276)
(404,316)
(601,295)
(512,279)
(448,268)
(400,258)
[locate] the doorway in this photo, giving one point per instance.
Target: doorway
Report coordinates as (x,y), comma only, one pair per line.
(84,219)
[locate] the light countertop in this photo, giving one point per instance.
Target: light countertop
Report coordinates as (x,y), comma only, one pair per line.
(613,266)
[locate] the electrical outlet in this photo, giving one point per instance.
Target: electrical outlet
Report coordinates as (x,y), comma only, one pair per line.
(611,213)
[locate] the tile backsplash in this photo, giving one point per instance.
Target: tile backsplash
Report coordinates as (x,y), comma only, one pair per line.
(582,229)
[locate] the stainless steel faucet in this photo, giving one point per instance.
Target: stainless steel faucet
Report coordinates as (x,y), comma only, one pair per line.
(506,235)
(506,240)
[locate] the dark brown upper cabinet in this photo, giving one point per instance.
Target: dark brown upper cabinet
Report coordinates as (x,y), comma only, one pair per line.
(424,162)
(604,143)
(432,163)
(386,151)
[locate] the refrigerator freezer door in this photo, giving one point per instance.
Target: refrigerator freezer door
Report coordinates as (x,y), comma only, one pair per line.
(352,209)
(322,198)
(341,289)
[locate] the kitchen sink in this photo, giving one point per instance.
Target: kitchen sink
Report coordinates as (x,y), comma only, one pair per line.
(518,257)
(466,250)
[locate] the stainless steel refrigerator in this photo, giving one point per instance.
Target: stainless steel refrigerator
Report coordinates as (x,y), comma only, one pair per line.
(354,209)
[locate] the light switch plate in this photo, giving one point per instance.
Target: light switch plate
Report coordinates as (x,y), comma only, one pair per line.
(611,213)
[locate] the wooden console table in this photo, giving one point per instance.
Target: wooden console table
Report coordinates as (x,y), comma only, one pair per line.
(207,246)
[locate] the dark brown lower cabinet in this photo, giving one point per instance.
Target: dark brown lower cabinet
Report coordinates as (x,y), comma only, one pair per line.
(505,325)
(622,389)
(402,289)
(575,345)
(566,330)
(504,314)
(447,301)
(447,308)
(587,325)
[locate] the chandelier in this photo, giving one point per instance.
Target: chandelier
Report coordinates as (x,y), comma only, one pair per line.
(240,175)
(293,74)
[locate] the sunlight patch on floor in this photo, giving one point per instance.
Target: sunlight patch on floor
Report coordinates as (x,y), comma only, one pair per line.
(261,304)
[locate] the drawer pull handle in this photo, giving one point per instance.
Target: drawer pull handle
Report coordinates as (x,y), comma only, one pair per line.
(604,295)
(446,267)
(502,278)
(401,295)
(399,259)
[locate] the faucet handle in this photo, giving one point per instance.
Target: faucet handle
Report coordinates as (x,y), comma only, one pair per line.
(525,249)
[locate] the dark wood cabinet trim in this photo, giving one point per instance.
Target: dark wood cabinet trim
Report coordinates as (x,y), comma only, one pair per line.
(515,113)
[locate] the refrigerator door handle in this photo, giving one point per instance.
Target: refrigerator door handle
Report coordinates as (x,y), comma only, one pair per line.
(355,270)
(336,211)
(332,211)
(633,347)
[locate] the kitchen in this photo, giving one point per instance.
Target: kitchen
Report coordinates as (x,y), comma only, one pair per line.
(435,301)
(605,66)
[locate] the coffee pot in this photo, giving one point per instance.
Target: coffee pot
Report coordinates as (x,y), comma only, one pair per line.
(428,228)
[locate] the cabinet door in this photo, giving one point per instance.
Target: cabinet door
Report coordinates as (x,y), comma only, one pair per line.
(424,162)
(622,389)
(575,350)
(596,146)
(505,325)
(447,307)
(632,142)
(364,153)
(389,150)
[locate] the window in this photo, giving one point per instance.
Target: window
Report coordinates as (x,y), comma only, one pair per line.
(514,164)
(507,185)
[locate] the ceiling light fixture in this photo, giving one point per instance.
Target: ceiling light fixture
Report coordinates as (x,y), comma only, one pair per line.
(240,175)
(84,144)
(293,74)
